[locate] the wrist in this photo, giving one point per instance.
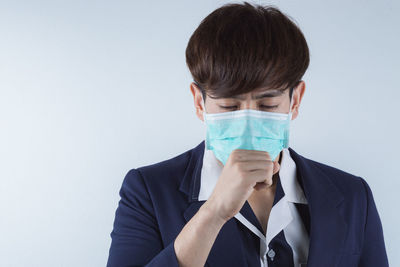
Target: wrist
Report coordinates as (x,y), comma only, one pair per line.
(211,211)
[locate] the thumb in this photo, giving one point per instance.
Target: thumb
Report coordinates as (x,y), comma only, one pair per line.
(277,167)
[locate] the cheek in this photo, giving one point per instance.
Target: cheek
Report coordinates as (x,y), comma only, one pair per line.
(283,108)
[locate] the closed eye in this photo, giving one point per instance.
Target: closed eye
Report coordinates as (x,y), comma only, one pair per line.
(269,107)
(261,106)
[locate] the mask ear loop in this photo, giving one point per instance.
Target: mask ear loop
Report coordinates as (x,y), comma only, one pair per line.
(204,110)
(286,144)
(204,122)
(290,106)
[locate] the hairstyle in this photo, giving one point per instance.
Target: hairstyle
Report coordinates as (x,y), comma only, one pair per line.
(239,48)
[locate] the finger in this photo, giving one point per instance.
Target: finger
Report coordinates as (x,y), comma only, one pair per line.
(260,186)
(259,176)
(250,151)
(247,155)
(256,165)
(277,167)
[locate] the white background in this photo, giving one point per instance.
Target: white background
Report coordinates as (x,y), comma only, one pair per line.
(91,89)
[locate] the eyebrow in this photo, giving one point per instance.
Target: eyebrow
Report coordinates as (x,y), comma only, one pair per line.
(269,93)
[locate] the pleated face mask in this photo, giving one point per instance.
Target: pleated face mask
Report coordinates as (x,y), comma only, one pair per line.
(246,129)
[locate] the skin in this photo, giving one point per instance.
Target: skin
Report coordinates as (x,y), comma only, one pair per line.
(247,175)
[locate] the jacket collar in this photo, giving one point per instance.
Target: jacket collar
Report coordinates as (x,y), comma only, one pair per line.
(328,229)
(211,170)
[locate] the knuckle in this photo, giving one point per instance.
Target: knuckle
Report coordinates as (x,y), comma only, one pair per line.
(233,156)
(270,164)
(235,151)
(240,169)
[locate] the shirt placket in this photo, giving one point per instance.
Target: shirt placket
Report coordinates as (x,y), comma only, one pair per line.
(280,217)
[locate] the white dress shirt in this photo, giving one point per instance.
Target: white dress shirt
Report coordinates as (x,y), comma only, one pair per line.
(283,216)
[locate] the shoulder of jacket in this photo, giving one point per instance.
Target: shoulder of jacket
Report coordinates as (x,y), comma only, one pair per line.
(168,171)
(348,183)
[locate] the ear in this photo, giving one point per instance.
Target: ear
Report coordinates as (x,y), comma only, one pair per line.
(298,93)
(197,98)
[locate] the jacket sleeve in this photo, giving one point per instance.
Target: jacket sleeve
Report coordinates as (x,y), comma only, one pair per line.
(373,252)
(135,238)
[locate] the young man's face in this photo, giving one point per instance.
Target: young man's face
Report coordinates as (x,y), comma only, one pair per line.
(270,100)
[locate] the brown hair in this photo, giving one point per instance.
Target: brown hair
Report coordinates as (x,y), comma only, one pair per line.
(239,48)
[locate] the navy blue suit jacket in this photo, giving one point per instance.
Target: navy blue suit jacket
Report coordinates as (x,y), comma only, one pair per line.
(157,200)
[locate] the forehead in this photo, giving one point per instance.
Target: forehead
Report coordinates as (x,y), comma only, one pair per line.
(257,94)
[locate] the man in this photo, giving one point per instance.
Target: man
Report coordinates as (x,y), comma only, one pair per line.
(243,197)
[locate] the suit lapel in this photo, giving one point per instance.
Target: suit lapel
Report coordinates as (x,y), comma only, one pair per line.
(328,228)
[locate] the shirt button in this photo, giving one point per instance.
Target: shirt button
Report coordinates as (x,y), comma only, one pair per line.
(271,254)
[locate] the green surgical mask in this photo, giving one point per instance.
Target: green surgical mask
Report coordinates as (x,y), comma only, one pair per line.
(246,129)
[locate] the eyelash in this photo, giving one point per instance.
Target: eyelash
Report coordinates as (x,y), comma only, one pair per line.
(263,106)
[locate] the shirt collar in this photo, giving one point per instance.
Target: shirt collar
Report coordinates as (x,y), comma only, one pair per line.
(211,171)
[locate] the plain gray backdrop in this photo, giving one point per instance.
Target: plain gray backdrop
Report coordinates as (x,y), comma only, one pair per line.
(92,89)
